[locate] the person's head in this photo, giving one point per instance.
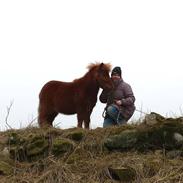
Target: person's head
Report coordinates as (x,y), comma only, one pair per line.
(116,73)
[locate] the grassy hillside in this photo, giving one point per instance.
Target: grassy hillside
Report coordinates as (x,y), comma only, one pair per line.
(149,152)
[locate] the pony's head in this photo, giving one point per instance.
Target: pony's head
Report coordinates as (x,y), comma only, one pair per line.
(102,75)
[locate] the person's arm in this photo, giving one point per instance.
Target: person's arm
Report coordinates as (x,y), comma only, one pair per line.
(129,96)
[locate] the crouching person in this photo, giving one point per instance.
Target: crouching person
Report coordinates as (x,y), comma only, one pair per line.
(120,101)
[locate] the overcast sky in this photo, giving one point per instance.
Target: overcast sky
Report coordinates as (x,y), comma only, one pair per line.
(55,40)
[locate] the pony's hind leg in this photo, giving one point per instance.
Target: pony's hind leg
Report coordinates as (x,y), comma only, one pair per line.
(46,118)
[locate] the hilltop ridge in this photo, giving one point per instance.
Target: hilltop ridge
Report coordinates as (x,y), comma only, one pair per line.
(148,152)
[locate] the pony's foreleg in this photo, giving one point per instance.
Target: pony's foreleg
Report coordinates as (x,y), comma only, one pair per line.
(87,122)
(87,115)
(80,120)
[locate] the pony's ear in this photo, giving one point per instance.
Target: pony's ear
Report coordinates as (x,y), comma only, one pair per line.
(101,65)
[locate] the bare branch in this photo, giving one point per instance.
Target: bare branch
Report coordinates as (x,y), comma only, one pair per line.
(57,125)
(8,113)
(33,120)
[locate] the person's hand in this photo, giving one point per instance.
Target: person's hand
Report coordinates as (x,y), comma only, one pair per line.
(118,102)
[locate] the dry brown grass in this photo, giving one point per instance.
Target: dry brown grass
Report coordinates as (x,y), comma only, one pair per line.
(89,161)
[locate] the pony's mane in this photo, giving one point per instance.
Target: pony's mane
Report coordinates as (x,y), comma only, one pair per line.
(91,67)
(106,66)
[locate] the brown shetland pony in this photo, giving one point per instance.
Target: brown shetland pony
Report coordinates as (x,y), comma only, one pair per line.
(79,96)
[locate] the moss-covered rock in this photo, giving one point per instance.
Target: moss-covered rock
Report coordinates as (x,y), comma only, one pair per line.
(124,174)
(76,135)
(165,135)
(125,140)
(160,136)
(178,138)
(5,168)
(27,148)
(153,119)
(61,146)
(37,145)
